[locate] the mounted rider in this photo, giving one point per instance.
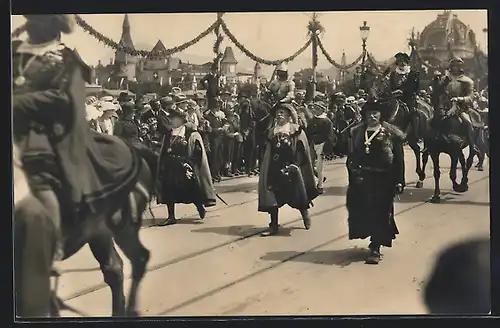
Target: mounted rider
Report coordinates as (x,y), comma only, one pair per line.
(457,88)
(404,83)
(283,88)
(71,169)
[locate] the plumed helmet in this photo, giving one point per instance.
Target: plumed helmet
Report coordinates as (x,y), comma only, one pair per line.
(64,23)
(283,67)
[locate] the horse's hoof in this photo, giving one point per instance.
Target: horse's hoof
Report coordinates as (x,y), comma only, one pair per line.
(461,188)
(436,199)
(480,168)
(420,184)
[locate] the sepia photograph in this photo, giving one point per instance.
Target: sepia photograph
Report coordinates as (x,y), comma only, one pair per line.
(251,164)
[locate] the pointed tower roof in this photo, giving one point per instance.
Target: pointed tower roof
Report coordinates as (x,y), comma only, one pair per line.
(228,57)
(158,47)
(125,40)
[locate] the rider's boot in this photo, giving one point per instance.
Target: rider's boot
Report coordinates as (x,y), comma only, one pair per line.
(51,203)
(467,124)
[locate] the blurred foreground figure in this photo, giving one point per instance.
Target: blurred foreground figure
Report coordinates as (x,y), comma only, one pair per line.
(460,281)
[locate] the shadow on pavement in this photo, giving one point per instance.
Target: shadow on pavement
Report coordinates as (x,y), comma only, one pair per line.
(335,190)
(342,257)
(246,187)
(239,231)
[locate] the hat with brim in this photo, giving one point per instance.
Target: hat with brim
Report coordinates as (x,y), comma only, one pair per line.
(167,100)
(289,108)
(107,106)
(177,112)
(371,106)
(93,112)
(319,105)
(457,61)
(64,23)
(225,93)
(402,56)
(361,102)
(198,96)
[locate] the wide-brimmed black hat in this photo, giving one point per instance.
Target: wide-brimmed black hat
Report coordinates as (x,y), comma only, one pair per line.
(63,22)
(402,56)
(370,106)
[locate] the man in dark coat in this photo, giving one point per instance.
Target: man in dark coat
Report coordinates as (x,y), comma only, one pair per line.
(286,175)
(211,83)
(405,83)
(217,121)
(376,175)
(247,126)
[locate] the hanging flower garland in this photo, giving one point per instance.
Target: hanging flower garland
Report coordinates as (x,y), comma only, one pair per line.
(218,41)
(314,28)
(143,53)
(334,63)
(255,58)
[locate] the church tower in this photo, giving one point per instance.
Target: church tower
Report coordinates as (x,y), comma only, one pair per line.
(228,63)
(257,72)
(341,73)
(125,64)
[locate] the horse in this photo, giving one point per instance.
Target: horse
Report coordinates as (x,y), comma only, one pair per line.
(118,219)
(396,113)
(446,135)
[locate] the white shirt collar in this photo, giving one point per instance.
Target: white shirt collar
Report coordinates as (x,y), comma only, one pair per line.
(39,49)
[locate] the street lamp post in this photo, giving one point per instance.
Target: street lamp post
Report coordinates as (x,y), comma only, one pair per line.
(365,32)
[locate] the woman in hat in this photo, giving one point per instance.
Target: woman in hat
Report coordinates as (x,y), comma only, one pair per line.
(184,174)
(286,175)
(376,174)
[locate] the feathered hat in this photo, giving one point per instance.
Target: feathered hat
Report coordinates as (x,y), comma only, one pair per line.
(289,108)
(64,23)
(370,106)
(402,56)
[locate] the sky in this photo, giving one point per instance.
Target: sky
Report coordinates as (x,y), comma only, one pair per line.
(270,36)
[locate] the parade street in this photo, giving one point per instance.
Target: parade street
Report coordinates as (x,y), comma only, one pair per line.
(221,265)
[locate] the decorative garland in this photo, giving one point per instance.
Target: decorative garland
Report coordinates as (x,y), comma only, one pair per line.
(257,59)
(334,63)
(143,53)
(218,41)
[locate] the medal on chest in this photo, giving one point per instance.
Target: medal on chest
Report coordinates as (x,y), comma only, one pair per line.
(368,140)
(20,80)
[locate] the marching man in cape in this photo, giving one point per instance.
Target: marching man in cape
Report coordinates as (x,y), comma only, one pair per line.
(183,172)
(404,83)
(283,88)
(376,175)
(458,89)
(286,175)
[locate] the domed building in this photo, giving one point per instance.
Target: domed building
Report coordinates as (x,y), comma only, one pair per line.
(447,36)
